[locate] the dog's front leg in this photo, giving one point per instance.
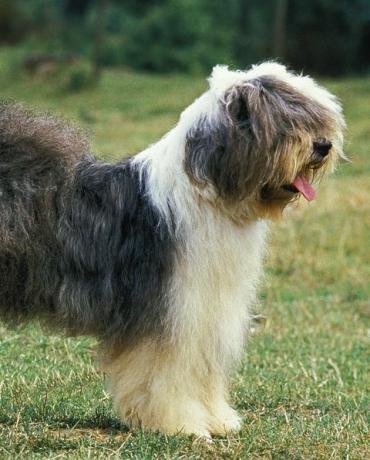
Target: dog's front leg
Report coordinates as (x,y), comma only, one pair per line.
(156,387)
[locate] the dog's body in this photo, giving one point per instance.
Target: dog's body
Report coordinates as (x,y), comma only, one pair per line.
(159,256)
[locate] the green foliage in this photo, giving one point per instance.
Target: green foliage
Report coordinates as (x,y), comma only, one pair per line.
(12,30)
(165,47)
(324,36)
(79,77)
(176,35)
(330,32)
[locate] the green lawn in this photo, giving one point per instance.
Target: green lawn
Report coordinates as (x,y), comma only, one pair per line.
(302,386)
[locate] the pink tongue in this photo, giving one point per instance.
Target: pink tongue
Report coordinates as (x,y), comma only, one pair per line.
(303,186)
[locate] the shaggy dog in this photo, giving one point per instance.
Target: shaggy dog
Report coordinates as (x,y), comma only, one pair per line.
(159,256)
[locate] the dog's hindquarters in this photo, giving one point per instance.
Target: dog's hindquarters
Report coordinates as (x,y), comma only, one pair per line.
(37,155)
(81,246)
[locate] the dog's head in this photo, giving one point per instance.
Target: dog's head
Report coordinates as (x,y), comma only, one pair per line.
(259,139)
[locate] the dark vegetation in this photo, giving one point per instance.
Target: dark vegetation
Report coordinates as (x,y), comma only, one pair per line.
(328,37)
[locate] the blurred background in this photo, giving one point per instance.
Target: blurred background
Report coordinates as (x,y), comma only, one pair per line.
(124,70)
(326,37)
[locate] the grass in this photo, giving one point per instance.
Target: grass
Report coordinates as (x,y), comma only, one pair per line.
(302,386)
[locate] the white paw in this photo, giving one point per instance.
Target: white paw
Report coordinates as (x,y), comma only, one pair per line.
(225,420)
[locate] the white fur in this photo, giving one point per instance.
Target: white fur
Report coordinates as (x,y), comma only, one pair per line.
(217,271)
(164,160)
(223,79)
(214,284)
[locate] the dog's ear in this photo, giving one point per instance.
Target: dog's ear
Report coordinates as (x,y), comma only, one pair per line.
(248,104)
(253,108)
(206,155)
(217,154)
(222,151)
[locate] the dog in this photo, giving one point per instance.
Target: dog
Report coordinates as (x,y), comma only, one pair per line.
(159,256)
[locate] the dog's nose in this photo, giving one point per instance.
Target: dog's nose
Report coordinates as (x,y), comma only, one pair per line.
(322,147)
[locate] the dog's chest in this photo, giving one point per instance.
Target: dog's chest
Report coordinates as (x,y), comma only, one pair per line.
(216,275)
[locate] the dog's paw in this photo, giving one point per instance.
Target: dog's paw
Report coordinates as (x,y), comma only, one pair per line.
(225,420)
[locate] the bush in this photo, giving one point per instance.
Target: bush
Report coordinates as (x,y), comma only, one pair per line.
(323,36)
(79,77)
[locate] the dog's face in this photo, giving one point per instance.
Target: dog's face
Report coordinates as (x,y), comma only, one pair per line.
(269,137)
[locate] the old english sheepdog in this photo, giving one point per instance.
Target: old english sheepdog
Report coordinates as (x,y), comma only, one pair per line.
(159,255)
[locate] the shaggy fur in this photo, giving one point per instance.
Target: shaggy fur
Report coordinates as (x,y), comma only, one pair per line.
(78,246)
(159,256)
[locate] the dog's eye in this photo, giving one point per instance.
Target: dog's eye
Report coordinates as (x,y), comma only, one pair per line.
(321,147)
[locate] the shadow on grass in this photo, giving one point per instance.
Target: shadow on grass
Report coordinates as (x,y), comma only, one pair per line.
(97,422)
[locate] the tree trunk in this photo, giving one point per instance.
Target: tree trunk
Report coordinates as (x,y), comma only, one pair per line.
(280,28)
(99,37)
(241,44)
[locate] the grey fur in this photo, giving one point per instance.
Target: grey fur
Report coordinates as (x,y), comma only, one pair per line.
(81,246)
(244,150)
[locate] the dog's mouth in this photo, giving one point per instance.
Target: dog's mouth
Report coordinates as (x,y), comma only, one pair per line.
(288,192)
(301,185)
(318,160)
